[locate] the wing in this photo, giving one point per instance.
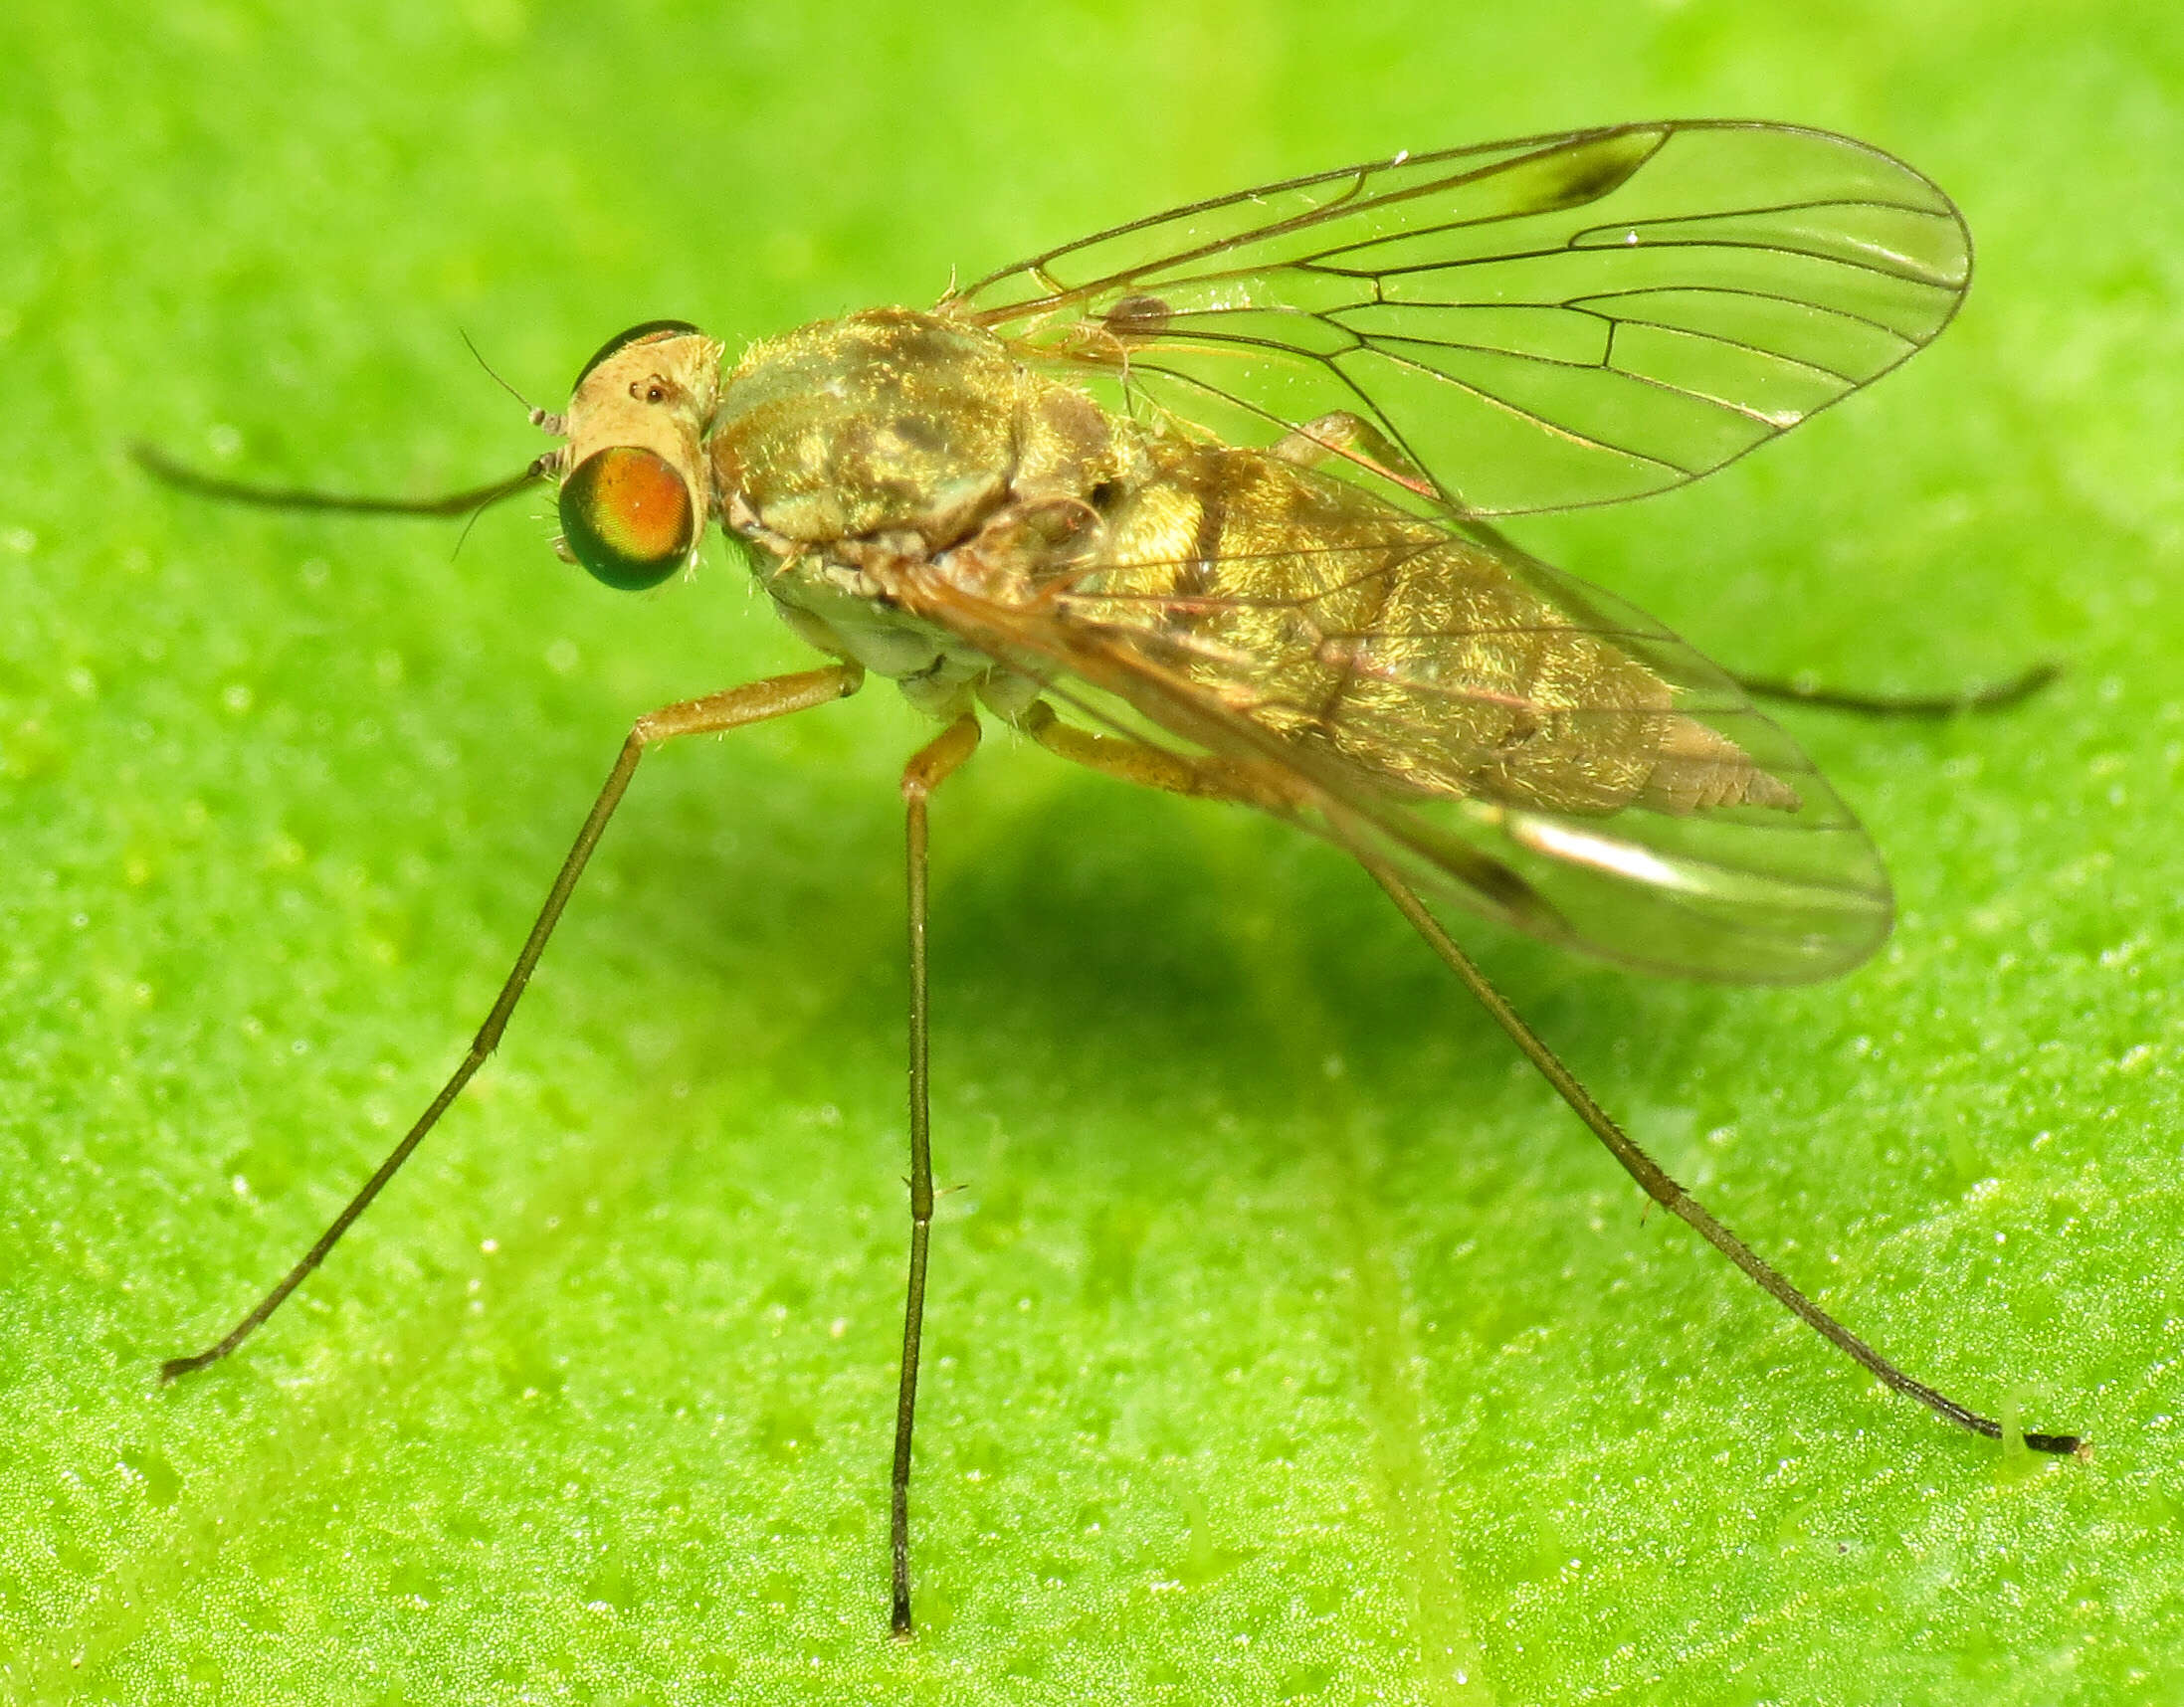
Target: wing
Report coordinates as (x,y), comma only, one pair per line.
(1736,863)
(1539,324)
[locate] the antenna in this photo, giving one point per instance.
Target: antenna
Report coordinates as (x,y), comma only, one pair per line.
(538,417)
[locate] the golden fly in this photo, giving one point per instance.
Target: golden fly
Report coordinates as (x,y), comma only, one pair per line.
(1210,502)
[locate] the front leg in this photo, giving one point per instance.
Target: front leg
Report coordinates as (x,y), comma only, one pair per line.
(754,703)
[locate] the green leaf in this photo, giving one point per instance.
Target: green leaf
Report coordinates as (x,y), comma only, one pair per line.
(1287,1340)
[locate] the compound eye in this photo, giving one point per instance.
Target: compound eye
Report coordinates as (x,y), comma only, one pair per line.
(628,517)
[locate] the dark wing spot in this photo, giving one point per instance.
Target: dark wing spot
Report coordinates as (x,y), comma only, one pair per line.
(1594,169)
(1138,317)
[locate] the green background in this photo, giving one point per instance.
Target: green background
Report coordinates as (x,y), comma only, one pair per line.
(1289,1341)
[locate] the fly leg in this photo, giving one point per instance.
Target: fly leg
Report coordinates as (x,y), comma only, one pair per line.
(1993,696)
(1132,761)
(1204,776)
(1666,1191)
(929,768)
(753,702)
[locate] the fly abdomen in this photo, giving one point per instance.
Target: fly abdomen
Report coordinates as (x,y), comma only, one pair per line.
(1412,651)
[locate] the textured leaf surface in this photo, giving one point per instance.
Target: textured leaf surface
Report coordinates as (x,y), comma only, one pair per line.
(1289,1342)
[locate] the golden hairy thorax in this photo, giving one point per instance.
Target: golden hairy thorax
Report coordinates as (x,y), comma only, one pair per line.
(1323,614)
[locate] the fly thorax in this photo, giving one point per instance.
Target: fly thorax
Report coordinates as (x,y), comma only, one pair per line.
(857,456)
(1080,472)
(889,420)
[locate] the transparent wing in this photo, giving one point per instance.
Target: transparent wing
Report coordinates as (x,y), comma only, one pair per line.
(1784,886)
(1539,324)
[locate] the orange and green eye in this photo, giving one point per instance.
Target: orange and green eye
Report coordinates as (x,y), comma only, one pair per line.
(628,517)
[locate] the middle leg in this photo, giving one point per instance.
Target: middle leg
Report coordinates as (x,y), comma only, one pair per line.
(929,768)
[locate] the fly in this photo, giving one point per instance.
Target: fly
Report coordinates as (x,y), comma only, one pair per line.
(1209,503)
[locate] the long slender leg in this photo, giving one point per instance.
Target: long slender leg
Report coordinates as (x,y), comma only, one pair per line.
(1134,762)
(929,768)
(752,703)
(1994,696)
(1666,1191)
